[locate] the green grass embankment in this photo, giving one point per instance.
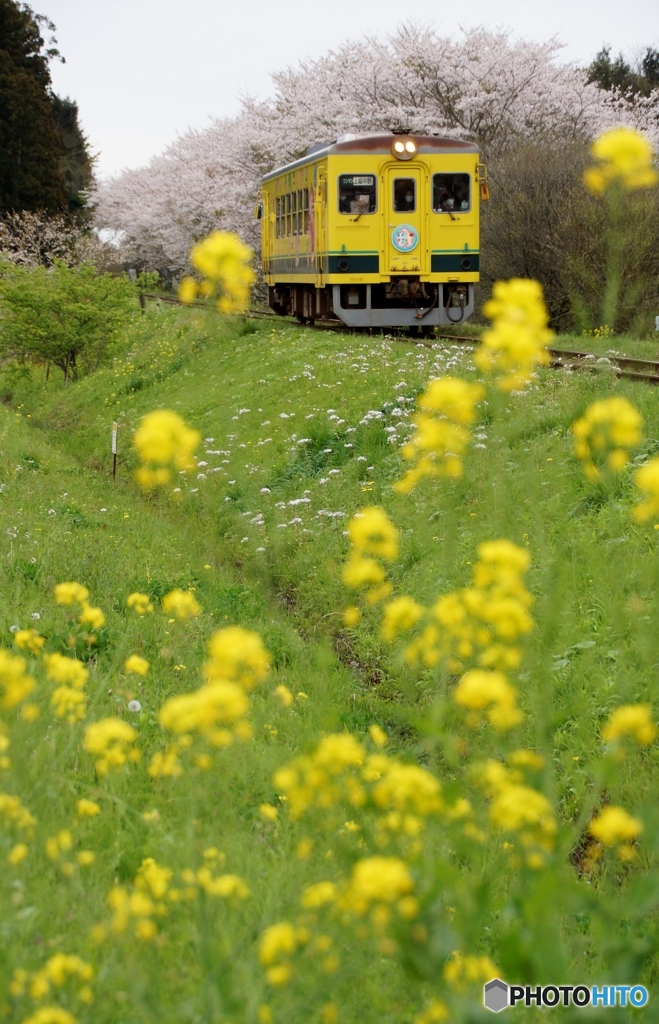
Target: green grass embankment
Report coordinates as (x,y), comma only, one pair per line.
(301,428)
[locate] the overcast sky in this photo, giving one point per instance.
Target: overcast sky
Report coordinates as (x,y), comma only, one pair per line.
(143,71)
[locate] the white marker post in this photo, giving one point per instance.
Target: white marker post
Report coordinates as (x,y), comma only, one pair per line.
(114,451)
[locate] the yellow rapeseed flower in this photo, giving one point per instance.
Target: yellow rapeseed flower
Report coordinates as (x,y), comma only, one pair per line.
(164,445)
(238,655)
(463,970)
(66,671)
(92,617)
(317,895)
(279,940)
(68,703)
(632,720)
(70,593)
(15,683)
(50,1015)
(376,880)
(444,412)
(14,815)
(29,640)
(437,1012)
(87,808)
(372,533)
(284,695)
(140,603)
(479,690)
(182,604)
(516,343)
(606,434)
(400,616)
(112,741)
(624,157)
(223,259)
(17,854)
(134,663)
(614,825)
(647,480)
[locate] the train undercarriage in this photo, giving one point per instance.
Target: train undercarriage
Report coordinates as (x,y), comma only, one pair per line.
(403,302)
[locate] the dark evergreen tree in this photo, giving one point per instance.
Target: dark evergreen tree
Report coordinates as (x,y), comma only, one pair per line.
(44,160)
(75,162)
(617,73)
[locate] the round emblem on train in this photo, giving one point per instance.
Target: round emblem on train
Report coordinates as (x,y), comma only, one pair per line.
(404,237)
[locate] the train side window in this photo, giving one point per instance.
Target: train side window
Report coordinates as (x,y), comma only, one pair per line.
(278,217)
(294,212)
(288,214)
(357,194)
(305,207)
(404,195)
(302,227)
(451,193)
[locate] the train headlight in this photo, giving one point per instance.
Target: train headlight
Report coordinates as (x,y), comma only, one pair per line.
(404,149)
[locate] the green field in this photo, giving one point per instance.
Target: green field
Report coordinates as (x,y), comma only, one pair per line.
(301,428)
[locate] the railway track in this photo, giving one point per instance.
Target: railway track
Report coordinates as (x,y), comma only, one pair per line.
(646,370)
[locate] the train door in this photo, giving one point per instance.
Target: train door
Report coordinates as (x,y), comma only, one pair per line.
(320,225)
(405,211)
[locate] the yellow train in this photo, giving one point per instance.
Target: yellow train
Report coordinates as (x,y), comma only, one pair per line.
(377,230)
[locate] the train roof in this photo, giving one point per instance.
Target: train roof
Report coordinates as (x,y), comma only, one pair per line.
(367,144)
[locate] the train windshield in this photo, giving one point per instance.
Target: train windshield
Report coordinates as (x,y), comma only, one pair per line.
(357,193)
(404,195)
(450,193)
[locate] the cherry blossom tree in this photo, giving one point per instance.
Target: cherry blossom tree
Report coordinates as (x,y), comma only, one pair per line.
(483,86)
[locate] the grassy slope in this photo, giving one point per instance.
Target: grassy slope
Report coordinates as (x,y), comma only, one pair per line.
(283,411)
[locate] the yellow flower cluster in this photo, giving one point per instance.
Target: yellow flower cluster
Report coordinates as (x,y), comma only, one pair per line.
(516,343)
(68,594)
(57,972)
(30,641)
(50,1015)
(605,435)
(615,827)
(278,945)
(489,692)
(5,762)
(164,445)
(223,260)
(87,808)
(633,721)
(437,1012)
(461,971)
(647,480)
(68,699)
(111,741)
(15,683)
(517,808)
(138,666)
(14,815)
(182,604)
(400,616)
(140,603)
(374,539)
(340,771)
(143,902)
(216,711)
(377,883)
(152,894)
(481,623)
(237,654)
(624,158)
(445,410)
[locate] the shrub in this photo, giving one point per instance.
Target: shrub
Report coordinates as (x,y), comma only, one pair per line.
(68,316)
(542,224)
